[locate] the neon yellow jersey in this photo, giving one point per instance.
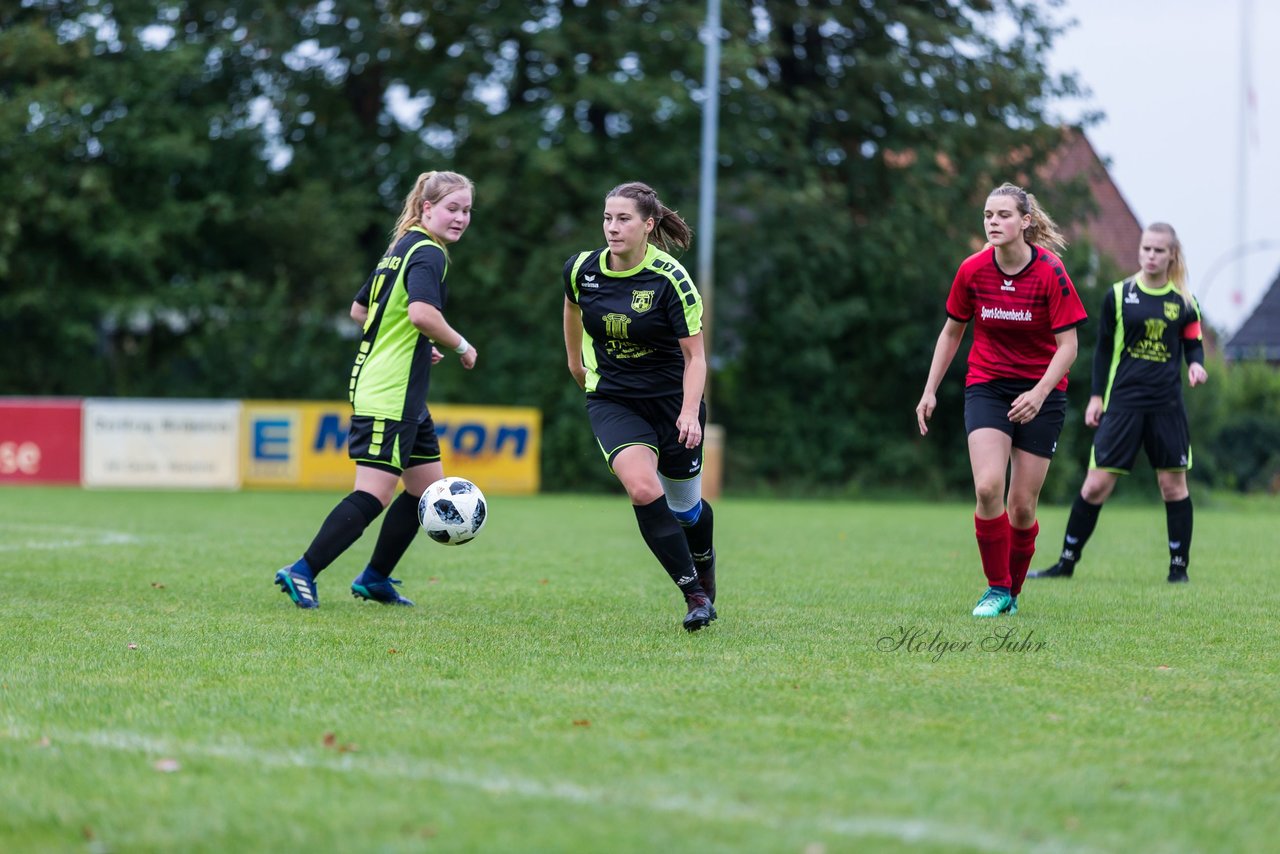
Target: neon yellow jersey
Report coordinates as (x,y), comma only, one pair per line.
(392,370)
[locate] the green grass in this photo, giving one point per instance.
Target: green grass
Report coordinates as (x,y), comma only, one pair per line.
(542,696)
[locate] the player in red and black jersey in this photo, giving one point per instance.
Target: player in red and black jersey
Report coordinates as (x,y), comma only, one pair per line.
(1025,311)
(633,334)
(1150,323)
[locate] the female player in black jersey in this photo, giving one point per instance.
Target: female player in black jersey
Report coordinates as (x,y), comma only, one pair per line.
(1025,312)
(1149,322)
(392,437)
(633,333)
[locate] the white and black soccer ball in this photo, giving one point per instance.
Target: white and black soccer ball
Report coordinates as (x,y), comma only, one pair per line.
(452,511)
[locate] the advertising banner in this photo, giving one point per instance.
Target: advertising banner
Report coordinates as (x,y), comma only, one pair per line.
(173,444)
(39,440)
(303,445)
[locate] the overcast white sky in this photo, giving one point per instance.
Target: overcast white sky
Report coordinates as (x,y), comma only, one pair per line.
(1168,75)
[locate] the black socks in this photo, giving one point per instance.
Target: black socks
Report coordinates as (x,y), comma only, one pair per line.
(666,539)
(1080,525)
(398,530)
(344,525)
(699,535)
(1178,515)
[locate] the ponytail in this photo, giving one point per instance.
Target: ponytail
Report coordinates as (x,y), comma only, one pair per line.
(430,187)
(1042,231)
(669,230)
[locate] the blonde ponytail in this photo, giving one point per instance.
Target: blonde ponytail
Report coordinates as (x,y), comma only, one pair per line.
(430,187)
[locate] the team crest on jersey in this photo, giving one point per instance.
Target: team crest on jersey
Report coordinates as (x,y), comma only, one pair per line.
(641,301)
(1172,310)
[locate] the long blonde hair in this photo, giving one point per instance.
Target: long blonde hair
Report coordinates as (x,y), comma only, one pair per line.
(1177,260)
(430,187)
(1043,231)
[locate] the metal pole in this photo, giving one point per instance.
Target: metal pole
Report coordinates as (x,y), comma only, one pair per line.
(713,451)
(1242,146)
(706,236)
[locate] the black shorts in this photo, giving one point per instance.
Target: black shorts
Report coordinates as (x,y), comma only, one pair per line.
(987,405)
(1164,435)
(392,446)
(620,422)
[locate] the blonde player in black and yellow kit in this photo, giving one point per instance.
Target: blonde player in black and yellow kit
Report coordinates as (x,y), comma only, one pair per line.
(392,437)
(633,333)
(1150,324)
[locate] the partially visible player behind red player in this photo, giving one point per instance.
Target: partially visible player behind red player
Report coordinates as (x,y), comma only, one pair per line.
(1025,311)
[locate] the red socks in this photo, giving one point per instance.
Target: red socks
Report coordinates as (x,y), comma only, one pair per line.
(1022,545)
(994,537)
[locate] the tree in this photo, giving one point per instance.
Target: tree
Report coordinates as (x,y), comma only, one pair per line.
(864,138)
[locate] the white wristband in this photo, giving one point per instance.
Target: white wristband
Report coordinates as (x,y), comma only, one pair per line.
(462,347)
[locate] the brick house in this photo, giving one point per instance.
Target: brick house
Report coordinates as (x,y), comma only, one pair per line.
(1112,229)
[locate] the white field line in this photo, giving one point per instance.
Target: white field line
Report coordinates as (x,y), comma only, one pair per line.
(35,537)
(701,807)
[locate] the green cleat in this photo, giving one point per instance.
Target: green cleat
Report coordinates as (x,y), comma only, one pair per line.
(992,603)
(1012,607)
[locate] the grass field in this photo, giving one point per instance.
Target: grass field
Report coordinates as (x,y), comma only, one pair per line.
(158,693)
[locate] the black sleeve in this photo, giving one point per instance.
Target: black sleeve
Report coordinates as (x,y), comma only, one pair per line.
(569,291)
(362,295)
(1193,348)
(424,277)
(1102,353)
(1193,351)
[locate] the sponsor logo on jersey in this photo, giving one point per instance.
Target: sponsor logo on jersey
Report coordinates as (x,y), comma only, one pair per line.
(641,301)
(1172,310)
(615,325)
(1020,314)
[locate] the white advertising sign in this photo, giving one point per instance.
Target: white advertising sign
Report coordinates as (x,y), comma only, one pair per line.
(174,444)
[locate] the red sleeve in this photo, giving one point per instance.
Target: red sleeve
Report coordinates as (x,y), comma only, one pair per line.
(960,300)
(1065,308)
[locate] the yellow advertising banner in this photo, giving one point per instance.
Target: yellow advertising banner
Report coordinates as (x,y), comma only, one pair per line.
(303,445)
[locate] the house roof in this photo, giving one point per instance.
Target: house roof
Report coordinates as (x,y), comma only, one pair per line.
(1113,229)
(1259,335)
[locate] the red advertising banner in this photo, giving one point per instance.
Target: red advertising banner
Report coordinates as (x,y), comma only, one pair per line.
(39,440)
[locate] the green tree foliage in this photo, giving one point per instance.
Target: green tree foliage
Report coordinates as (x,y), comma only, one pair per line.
(864,139)
(1235,426)
(149,247)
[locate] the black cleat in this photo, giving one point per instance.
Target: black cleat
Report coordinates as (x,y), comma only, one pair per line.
(701,612)
(1058,570)
(706,567)
(1178,575)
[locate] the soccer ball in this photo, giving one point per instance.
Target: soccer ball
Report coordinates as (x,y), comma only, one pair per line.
(452,511)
